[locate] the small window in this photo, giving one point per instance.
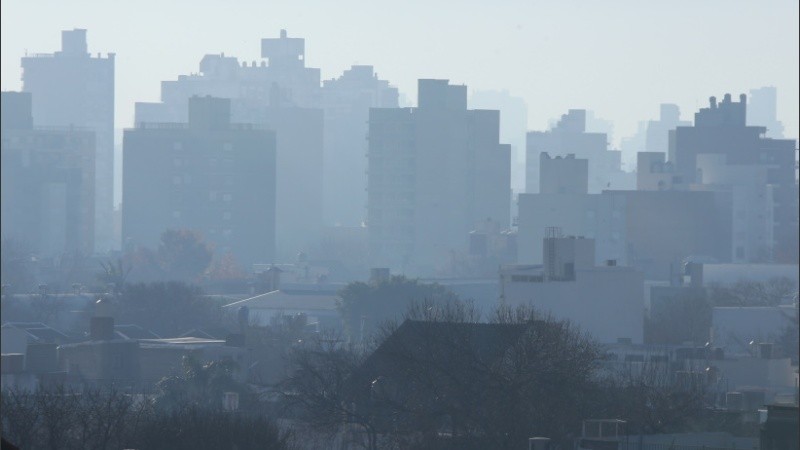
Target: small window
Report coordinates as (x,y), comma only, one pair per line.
(177,146)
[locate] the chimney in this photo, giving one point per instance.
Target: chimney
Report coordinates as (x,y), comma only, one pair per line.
(273,275)
(538,443)
(101,329)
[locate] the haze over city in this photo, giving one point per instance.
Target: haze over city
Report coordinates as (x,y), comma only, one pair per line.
(371,225)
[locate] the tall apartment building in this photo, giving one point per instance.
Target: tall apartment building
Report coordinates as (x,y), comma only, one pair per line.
(346,101)
(435,171)
(569,136)
(762,111)
(72,88)
(721,129)
(48,182)
(657,135)
(283,95)
(563,175)
(209,175)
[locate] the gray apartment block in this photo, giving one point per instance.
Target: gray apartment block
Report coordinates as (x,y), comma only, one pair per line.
(745,152)
(346,101)
(281,94)
(209,175)
(646,230)
(72,88)
(569,136)
(435,171)
(48,182)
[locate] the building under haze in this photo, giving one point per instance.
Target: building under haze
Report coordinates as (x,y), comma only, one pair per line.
(435,172)
(48,183)
(763,111)
(606,300)
(646,230)
(208,175)
(513,127)
(569,136)
(346,101)
(723,154)
(563,175)
(283,95)
(72,88)
(657,135)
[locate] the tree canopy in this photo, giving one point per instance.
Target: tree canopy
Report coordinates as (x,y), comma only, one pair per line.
(373,303)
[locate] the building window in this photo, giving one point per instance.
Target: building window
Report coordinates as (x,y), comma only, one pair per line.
(227,197)
(212,196)
(226,215)
(176,180)
(177,145)
(176,214)
(227,146)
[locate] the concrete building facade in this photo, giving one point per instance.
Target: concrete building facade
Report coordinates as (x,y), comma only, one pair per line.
(569,136)
(72,88)
(209,175)
(48,182)
(281,94)
(606,301)
(346,101)
(647,230)
(721,129)
(435,171)
(563,175)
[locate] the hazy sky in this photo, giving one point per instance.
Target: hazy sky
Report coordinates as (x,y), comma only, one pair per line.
(620,58)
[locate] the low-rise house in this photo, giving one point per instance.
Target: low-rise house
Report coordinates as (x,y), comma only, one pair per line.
(108,358)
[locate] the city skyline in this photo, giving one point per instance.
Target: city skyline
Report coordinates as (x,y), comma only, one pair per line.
(544,59)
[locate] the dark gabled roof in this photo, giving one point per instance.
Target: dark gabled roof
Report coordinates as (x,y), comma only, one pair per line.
(40,332)
(445,342)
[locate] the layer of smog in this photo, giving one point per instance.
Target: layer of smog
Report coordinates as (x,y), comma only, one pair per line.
(356,225)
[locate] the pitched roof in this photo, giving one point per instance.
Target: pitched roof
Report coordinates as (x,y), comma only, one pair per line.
(39,331)
(134,332)
(445,342)
(283,299)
